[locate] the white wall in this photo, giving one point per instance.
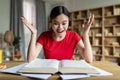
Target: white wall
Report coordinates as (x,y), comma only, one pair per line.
(4,15)
(74,5)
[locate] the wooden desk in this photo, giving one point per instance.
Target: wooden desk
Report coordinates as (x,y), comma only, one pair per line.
(103,65)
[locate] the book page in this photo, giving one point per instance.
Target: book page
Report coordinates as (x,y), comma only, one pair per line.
(41,66)
(75,63)
(37,63)
(76,66)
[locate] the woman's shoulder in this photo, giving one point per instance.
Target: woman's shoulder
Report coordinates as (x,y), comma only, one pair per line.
(71,32)
(46,33)
(73,35)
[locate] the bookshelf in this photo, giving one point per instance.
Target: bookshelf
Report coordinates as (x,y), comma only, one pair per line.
(104,33)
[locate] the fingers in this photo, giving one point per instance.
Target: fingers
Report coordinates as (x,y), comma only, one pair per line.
(83,25)
(30,26)
(91,20)
(24,20)
(86,26)
(22,17)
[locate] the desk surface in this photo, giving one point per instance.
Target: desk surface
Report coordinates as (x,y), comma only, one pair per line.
(103,65)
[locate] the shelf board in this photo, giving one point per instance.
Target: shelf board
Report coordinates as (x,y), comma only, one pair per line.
(112,46)
(97,17)
(96,27)
(111,26)
(97,55)
(96,36)
(96,45)
(17,55)
(110,56)
(117,46)
(78,19)
(108,46)
(112,16)
(111,36)
(108,26)
(7,56)
(82,18)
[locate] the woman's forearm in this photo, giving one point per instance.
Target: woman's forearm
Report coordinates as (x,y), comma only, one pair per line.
(32,48)
(88,50)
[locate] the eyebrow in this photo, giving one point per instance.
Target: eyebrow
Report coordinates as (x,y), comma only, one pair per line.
(62,21)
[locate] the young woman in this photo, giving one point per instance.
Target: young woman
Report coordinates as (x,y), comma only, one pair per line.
(59,43)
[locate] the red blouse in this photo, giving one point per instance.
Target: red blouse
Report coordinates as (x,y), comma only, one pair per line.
(58,49)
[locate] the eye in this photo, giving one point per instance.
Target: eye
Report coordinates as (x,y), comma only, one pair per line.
(63,23)
(55,23)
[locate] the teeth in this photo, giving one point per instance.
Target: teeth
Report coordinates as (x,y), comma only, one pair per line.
(60,31)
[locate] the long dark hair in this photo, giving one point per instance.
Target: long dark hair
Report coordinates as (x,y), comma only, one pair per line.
(57,11)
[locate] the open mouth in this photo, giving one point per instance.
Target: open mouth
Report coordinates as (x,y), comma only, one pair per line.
(58,31)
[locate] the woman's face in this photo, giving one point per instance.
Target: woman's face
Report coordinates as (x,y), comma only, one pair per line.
(60,24)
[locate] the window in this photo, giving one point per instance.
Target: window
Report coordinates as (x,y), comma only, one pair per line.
(29,12)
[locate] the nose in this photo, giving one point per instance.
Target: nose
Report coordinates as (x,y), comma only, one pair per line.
(60,26)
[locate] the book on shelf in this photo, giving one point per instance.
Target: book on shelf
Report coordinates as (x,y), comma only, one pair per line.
(55,66)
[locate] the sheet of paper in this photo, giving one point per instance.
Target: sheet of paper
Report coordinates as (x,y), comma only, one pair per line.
(13,69)
(101,72)
(73,76)
(39,76)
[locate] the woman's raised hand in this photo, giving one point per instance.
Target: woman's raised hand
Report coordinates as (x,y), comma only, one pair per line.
(87,25)
(29,26)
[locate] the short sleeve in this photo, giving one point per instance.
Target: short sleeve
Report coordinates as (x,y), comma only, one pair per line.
(41,39)
(77,38)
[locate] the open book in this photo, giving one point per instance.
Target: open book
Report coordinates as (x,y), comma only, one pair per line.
(54,66)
